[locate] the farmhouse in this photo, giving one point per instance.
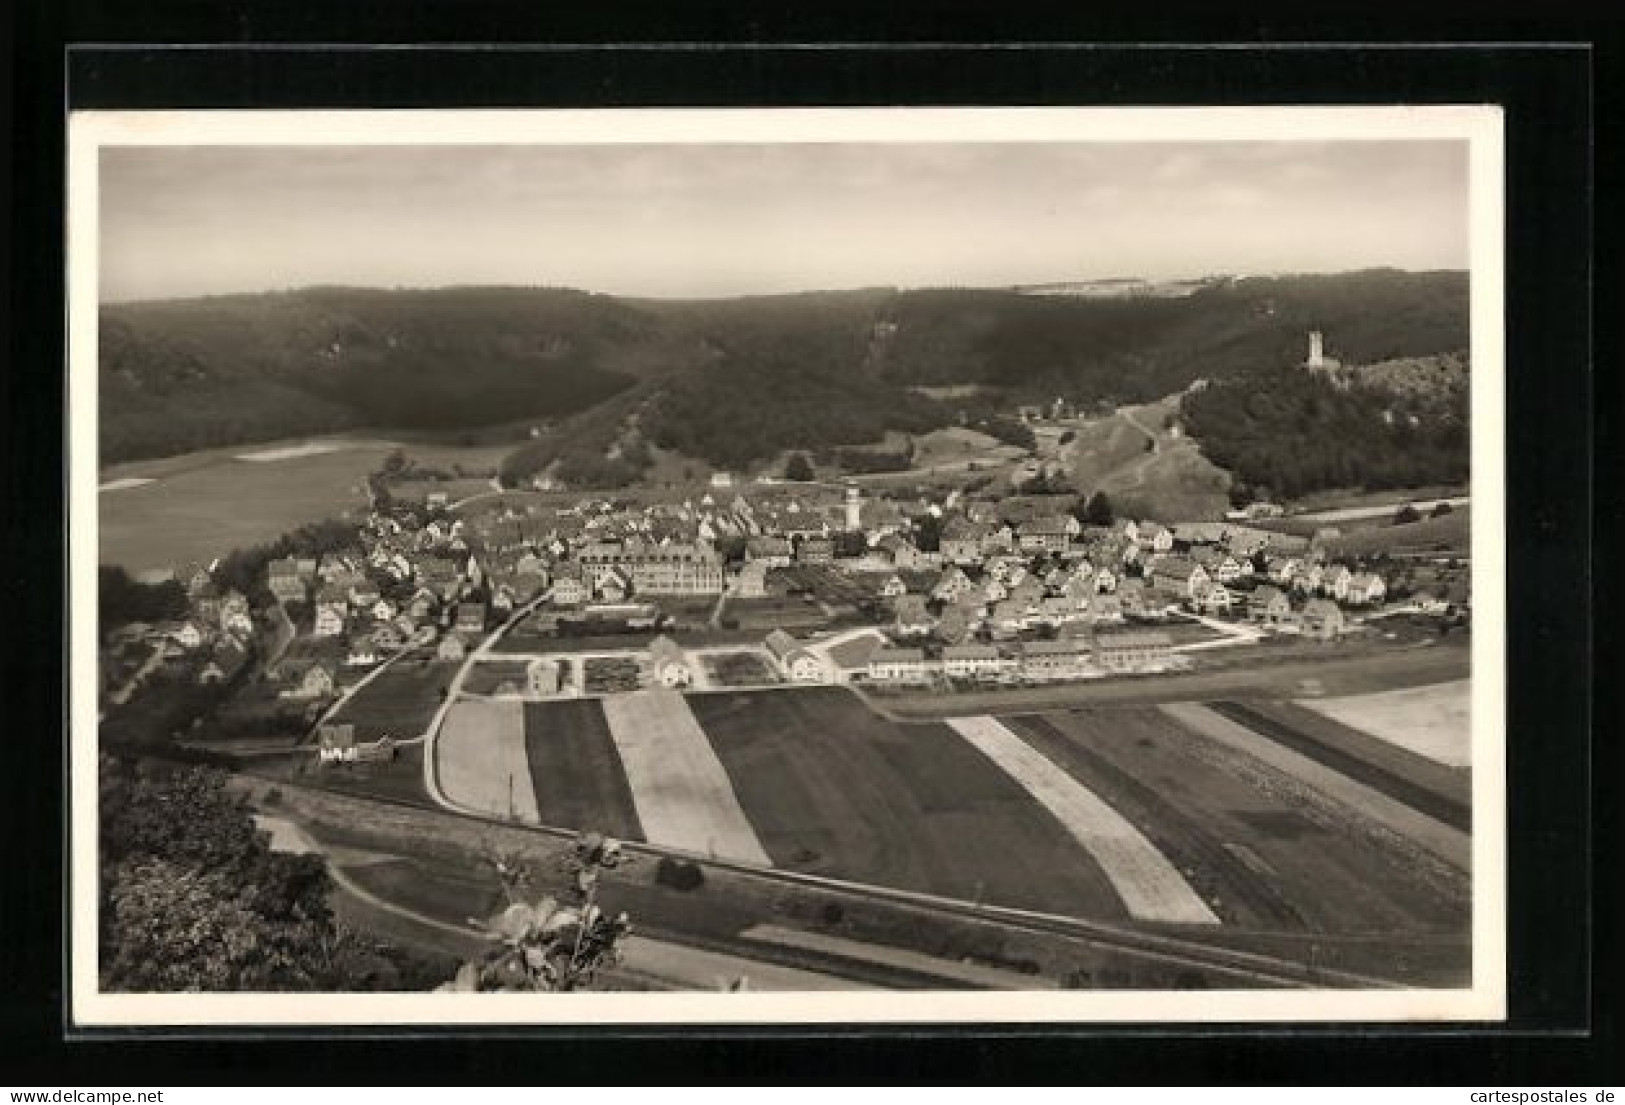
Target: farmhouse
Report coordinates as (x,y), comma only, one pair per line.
(976,662)
(668,663)
(912,617)
(282,577)
(423,604)
(187,635)
(964,542)
(1133,651)
(1047,534)
(1269,606)
(952,585)
(451,647)
(901,553)
(1366,588)
(751,583)
(1323,620)
(470,618)
(542,678)
(815,550)
(315,682)
(1181,576)
(1216,598)
(798,664)
(329,621)
(773,551)
(335,742)
(1008,618)
(610,584)
(362,652)
(899,665)
(1066,659)
(569,590)
(1105,607)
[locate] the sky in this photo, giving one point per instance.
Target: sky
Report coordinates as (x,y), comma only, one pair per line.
(681,220)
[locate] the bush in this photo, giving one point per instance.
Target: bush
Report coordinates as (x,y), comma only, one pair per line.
(679,874)
(1406,515)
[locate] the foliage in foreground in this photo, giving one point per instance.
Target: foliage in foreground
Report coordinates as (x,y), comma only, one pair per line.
(193,898)
(548,945)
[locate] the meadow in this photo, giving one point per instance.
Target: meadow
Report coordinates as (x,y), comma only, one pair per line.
(206,504)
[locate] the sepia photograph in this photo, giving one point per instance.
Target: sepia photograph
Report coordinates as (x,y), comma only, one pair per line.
(787,566)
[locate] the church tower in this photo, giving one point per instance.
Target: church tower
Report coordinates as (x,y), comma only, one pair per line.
(854,509)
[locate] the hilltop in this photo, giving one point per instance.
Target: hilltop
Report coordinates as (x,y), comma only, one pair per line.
(731,382)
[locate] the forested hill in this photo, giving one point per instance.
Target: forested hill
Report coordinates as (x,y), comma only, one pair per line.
(729,381)
(186,374)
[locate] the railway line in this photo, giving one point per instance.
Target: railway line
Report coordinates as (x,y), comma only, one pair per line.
(1225,965)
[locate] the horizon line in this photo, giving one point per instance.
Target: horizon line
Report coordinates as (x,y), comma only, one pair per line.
(1207,278)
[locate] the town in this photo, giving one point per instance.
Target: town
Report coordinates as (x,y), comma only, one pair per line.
(791,584)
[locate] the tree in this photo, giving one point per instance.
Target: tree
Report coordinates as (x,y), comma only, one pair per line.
(193,898)
(1407,514)
(121,599)
(928,533)
(798,468)
(1441,510)
(550,946)
(1098,511)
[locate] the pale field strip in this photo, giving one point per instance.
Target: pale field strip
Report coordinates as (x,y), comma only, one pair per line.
(680,790)
(126,484)
(305,449)
(840,946)
(480,753)
(1433,721)
(1151,888)
(1447,843)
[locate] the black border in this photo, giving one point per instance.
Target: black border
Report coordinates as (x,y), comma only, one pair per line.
(1561,1028)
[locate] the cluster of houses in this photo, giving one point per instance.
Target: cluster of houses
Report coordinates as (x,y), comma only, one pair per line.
(217,631)
(444,581)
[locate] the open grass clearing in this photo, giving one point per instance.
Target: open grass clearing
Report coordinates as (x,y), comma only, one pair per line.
(684,798)
(197,513)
